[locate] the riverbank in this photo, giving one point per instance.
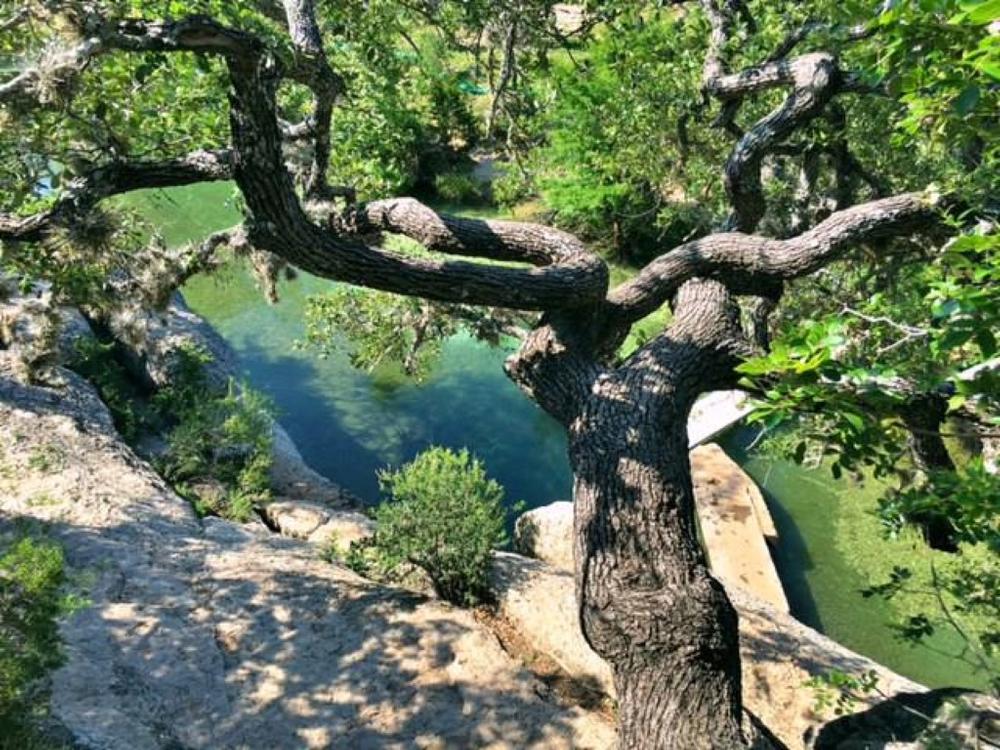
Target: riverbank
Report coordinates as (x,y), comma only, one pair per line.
(349,424)
(175,608)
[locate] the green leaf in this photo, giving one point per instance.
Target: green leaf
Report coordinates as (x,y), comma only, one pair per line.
(982,12)
(986,341)
(967,100)
(855,420)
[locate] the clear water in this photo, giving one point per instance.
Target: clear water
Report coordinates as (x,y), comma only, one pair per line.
(348,424)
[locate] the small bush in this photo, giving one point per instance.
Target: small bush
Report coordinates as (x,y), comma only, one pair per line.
(458,187)
(219,449)
(444,516)
(31,576)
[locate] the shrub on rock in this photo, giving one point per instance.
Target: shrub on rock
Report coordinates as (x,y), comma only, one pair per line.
(443,515)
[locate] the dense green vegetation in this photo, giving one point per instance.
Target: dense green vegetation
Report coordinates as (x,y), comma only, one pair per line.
(218,444)
(32,598)
(443,515)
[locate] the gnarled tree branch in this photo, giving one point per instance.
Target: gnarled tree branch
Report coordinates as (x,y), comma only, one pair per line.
(115,178)
(749,263)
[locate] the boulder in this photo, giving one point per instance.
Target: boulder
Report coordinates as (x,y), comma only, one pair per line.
(540,600)
(546,533)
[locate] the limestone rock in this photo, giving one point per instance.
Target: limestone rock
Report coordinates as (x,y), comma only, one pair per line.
(293,518)
(318,523)
(291,475)
(214,635)
(342,529)
(546,533)
(735,525)
(541,602)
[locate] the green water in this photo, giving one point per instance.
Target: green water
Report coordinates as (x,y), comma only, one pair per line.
(348,424)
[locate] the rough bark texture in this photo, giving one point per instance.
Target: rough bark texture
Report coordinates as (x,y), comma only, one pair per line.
(647,602)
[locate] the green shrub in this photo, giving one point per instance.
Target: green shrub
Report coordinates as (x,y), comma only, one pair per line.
(442,515)
(95,361)
(458,187)
(219,447)
(31,576)
(511,187)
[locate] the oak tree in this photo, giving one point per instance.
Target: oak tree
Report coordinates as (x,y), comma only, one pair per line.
(647,602)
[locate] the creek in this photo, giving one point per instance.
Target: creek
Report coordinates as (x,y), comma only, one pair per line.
(348,424)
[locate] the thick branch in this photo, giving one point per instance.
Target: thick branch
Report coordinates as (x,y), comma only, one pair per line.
(566,274)
(312,69)
(814,79)
(84,192)
(748,263)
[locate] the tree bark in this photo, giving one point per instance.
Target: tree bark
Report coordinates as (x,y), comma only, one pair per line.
(923,416)
(648,604)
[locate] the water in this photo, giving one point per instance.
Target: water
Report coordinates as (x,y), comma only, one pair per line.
(348,424)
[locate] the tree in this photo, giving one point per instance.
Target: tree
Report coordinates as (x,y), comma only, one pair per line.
(647,602)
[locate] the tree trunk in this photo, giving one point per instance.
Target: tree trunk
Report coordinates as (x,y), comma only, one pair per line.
(648,604)
(923,416)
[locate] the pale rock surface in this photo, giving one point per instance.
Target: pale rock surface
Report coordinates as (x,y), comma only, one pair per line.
(318,523)
(213,635)
(735,525)
(779,654)
(546,533)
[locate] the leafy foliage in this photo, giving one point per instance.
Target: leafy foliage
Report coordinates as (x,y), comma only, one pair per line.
(379,328)
(31,601)
(219,449)
(96,362)
(443,515)
(841,691)
(458,187)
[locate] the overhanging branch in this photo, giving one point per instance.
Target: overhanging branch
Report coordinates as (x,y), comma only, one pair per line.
(118,177)
(748,263)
